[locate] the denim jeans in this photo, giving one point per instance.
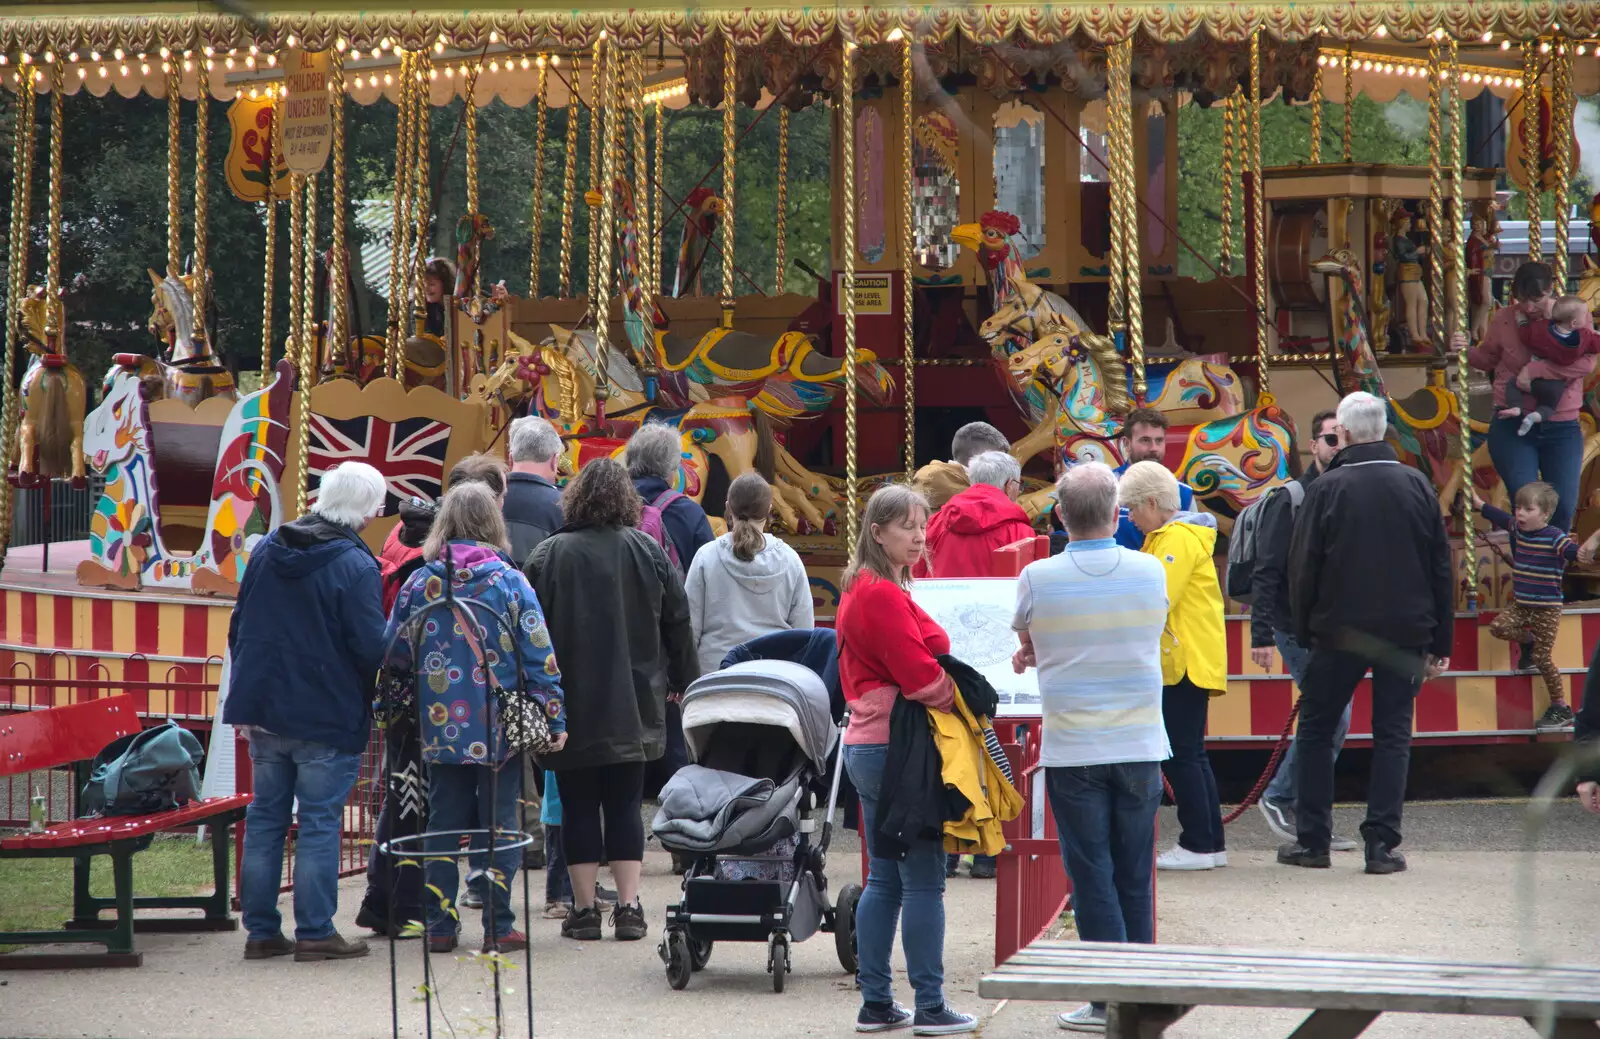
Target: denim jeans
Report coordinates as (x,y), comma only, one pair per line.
(1552,452)
(1194,788)
(1331,679)
(908,892)
(457,794)
(1283,788)
(1106,817)
(319,777)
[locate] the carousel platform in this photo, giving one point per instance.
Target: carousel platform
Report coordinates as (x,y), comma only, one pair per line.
(61,642)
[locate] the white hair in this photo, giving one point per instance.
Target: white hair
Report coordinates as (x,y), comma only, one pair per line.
(534,440)
(994,468)
(350,494)
(655,449)
(1147,481)
(1087,494)
(1365,418)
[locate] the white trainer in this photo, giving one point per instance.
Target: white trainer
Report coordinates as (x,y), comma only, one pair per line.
(1219,858)
(1084,1019)
(1180,858)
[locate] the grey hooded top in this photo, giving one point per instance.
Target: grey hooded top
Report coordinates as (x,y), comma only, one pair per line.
(732,601)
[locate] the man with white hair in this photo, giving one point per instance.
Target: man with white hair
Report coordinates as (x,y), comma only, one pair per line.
(306,639)
(654,456)
(1090,619)
(1370,586)
(939,481)
(533,502)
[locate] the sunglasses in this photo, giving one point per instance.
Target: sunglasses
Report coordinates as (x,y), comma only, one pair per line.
(1331,439)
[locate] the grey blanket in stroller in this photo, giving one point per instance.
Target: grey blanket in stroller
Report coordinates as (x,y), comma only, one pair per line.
(706,810)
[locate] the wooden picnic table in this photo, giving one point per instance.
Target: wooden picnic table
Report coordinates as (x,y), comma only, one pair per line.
(1148,987)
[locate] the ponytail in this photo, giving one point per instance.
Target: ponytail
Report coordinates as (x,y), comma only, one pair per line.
(748,505)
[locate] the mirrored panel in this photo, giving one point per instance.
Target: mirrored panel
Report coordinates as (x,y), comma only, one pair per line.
(872,228)
(936,192)
(1019,172)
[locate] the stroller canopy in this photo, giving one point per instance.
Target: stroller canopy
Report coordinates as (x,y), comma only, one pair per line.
(761,692)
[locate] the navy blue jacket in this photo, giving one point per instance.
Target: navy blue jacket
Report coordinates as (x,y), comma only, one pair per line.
(306,636)
(533,512)
(684,520)
(814,648)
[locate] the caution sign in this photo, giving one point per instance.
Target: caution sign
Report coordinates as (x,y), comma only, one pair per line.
(874,293)
(307,115)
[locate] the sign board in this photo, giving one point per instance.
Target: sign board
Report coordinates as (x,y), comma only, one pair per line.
(874,292)
(307,114)
(249,145)
(976,613)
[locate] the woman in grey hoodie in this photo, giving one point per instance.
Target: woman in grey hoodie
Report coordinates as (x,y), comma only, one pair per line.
(746,583)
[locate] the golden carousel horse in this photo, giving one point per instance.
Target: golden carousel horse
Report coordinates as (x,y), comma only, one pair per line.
(50,433)
(188,374)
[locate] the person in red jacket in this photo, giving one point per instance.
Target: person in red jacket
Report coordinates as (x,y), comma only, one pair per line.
(963,535)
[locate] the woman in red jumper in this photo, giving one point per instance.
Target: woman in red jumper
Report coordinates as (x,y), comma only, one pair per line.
(887,649)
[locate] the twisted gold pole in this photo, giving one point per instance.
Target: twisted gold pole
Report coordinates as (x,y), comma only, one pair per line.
(1117,262)
(1438,225)
(643,216)
(470,109)
(597,72)
(730,126)
(656,202)
(1457,239)
(1347,140)
(400,233)
(422,204)
(907,247)
(174,172)
(1230,139)
(52,269)
(569,188)
(1532,147)
(600,292)
(274,149)
(1561,111)
(541,127)
(781,262)
(338,336)
(297,250)
(22,149)
(1316,117)
(847,161)
(1258,216)
(308,288)
(1120,95)
(306,225)
(201,336)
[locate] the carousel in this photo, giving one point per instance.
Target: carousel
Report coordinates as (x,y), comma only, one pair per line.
(1004,244)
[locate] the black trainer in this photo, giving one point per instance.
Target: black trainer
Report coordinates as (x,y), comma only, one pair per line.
(1383,859)
(582,924)
(1280,817)
(1297,855)
(882,1017)
(1557,716)
(627,921)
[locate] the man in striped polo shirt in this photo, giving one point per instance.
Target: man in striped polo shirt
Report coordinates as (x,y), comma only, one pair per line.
(1090,620)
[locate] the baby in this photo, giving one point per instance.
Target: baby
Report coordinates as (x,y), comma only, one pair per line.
(1557,342)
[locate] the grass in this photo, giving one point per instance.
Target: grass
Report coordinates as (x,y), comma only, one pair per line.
(36,894)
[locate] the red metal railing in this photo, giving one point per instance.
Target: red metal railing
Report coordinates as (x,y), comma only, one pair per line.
(1031,886)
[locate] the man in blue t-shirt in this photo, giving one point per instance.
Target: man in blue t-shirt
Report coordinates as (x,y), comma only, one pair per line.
(1144,439)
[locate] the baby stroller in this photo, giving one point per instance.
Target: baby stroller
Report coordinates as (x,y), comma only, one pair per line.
(759,735)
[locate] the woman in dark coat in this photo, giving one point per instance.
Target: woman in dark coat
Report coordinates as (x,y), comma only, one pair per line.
(620,621)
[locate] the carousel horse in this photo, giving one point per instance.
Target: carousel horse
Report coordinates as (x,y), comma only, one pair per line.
(1425,428)
(702,210)
(786,376)
(54,397)
(187,374)
(127,549)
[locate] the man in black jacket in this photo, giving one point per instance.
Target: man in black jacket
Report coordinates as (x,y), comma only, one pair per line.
(1270,625)
(1371,586)
(533,502)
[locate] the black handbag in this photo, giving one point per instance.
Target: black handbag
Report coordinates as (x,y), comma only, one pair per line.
(523,723)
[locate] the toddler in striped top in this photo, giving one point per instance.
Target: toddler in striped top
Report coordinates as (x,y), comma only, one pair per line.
(1539,555)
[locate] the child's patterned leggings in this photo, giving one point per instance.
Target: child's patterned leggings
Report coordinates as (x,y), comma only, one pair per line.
(1517,623)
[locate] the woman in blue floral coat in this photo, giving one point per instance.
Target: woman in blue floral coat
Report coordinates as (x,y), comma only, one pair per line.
(462,744)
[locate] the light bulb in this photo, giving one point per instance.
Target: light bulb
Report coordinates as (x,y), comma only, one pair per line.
(102,72)
(165,54)
(144,68)
(555,60)
(272,61)
(166,67)
(388,80)
(83,73)
(1488,37)
(249,63)
(438,48)
(494,66)
(338,45)
(1505,45)
(207,50)
(188,66)
(228,62)
(73,57)
(494,37)
(896,34)
(117,54)
(526,63)
(123,69)
(93,56)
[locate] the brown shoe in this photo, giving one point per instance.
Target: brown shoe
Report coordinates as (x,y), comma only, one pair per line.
(277,945)
(333,947)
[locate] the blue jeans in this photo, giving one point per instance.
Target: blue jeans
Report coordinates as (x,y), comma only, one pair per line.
(458,795)
(908,891)
(1295,657)
(320,777)
(1552,452)
(1106,817)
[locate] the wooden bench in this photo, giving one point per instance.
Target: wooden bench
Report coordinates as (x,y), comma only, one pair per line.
(73,735)
(1148,987)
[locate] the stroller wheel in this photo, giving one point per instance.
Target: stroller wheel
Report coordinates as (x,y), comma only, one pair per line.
(699,953)
(844,927)
(679,964)
(778,960)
